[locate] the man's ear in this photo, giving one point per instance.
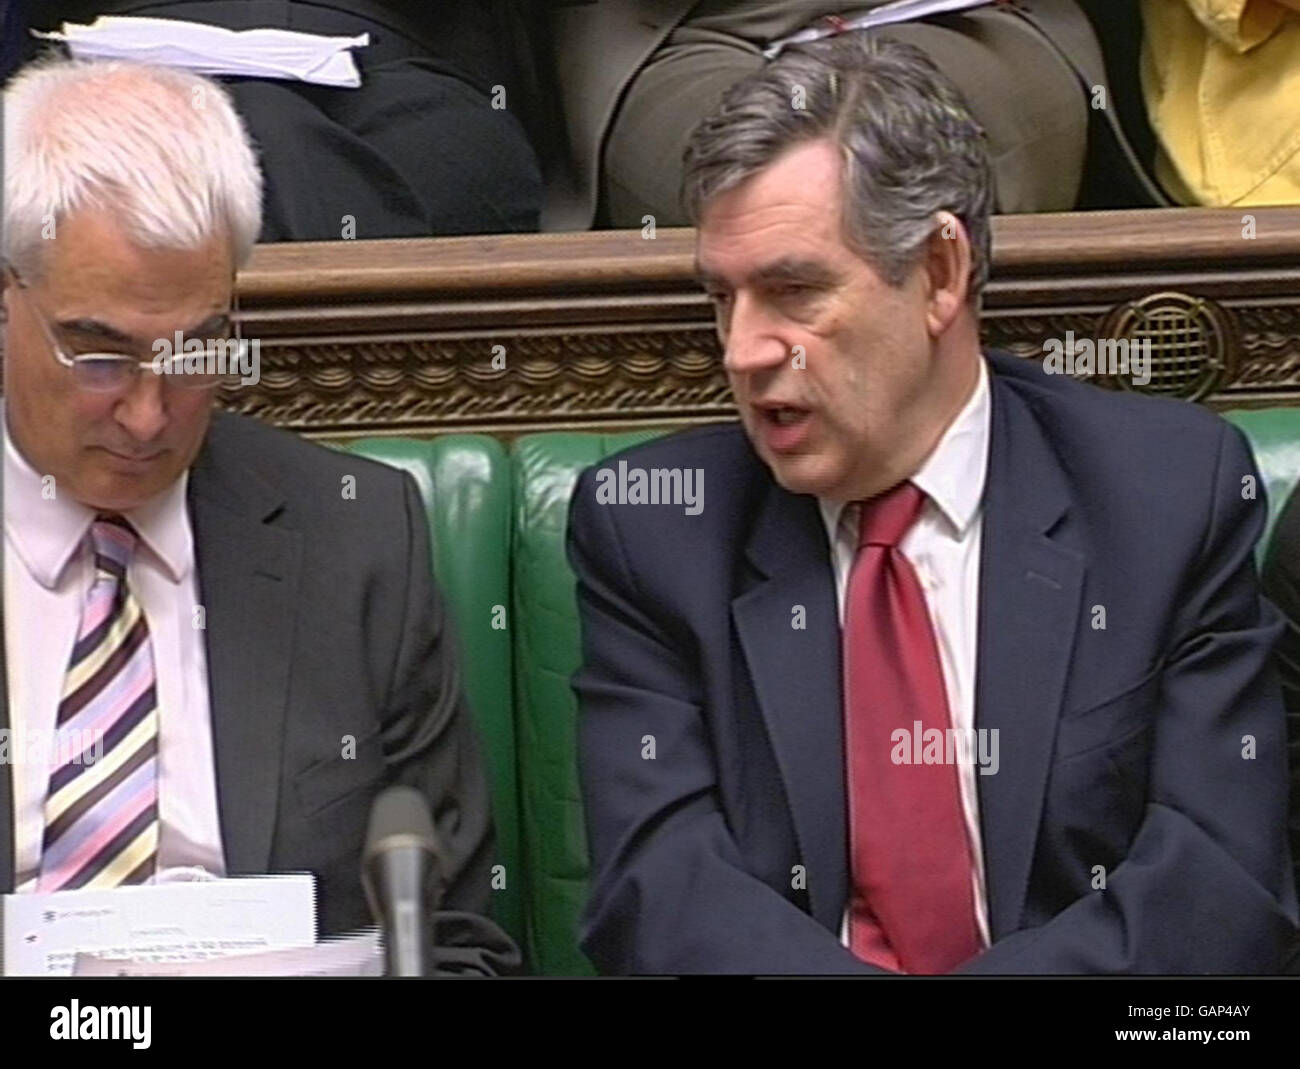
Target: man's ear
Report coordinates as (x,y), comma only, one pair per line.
(947,267)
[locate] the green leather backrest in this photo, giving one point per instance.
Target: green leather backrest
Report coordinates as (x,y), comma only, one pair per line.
(465,483)
(545,468)
(1274,435)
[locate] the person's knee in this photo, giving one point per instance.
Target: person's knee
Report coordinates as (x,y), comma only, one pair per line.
(1027,99)
(642,161)
(1041,173)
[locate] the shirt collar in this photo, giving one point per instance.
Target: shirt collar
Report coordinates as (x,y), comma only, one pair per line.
(952,476)
(46,531)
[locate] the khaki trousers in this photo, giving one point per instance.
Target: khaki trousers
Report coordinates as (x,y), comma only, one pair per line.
(1029,101)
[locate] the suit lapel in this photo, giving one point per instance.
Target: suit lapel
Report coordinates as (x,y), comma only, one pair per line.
(796,674)
(1030,594)
(248,578)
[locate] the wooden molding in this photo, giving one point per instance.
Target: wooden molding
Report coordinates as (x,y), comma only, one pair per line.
(608,329)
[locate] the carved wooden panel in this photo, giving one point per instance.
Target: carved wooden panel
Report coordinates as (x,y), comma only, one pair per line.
(607,329)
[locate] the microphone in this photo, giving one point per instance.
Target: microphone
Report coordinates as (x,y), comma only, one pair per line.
(401,872)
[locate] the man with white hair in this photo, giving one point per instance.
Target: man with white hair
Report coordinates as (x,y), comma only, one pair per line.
(252,653)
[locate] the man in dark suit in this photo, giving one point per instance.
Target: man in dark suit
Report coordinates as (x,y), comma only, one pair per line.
(242,623)
(938,661)
(431,142)
(634,76)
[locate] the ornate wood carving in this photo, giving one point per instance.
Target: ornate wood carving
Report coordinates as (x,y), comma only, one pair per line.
(607,329)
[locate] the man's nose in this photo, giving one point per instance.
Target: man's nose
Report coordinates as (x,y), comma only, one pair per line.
(142,411)
(753,342)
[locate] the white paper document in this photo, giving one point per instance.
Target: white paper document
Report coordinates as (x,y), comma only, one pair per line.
(214,50)
(361,954)
(158,924)
(885,15)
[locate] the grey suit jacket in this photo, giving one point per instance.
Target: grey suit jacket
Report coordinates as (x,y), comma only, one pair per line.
(322,622)
(600,47)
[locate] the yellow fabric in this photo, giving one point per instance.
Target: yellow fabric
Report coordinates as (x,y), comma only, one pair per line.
(1221,79)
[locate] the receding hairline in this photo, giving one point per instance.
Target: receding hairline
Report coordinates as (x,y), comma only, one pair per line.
(104,207)
(179,168)
(812,270)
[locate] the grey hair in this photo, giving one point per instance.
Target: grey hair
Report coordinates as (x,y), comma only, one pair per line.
(162,148)
(910,146)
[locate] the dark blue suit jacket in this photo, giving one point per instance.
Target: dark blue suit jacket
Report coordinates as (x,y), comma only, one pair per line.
(1124,747)
(13,35)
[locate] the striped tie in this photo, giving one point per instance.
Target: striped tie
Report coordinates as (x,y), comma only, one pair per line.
(101,812)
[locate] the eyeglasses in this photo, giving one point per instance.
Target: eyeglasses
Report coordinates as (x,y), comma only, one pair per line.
(198,364)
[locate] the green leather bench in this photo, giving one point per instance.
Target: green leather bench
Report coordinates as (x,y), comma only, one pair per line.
(1274,435)
(498,523)
(497,532)
(465,482)
(544,469)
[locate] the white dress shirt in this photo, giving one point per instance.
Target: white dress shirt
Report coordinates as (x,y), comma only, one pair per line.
(48,572)
(944,548)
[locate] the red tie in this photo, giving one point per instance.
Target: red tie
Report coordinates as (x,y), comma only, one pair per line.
(911,903)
